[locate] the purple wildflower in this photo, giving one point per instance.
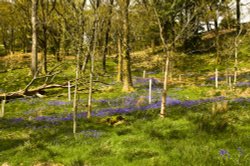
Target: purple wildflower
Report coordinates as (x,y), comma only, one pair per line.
(57,103)
(213,79)
(173,102)
(17,120)
(241,99)
(240,84)
(224,153)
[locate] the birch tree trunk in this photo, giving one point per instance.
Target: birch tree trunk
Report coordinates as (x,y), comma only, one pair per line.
(75,92)
(235,60)
(44,9)
(216,77)
(217,46)
(164,91)
(168,54)
(34,37)
(79,42)
(92,54)
(120,59)
(236,42)
(127,77)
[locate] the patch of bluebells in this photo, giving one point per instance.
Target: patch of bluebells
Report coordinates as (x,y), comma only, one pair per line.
(190,103)
(223,153)
(213,78)
(58,103)
(50,119)
(243,84)
(55,120)
(129,101)
(156,105)
(16,120)
(102,101)
(241,99)
(113,111)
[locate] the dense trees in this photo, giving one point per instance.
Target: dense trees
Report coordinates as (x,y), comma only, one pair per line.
(92,30)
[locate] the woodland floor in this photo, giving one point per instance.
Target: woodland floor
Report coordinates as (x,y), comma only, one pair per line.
(203,126)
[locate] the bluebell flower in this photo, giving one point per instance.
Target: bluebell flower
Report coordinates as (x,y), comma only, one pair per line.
(213,78)
(17,120)
(240,84)
(224,153)
(57,103)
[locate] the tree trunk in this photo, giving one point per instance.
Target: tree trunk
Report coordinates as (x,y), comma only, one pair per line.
(12,42)
(62,51)
(208,25)
(2,109)
(92,54)
(107,35)
(75,101)
(238,15)
(165,84)
(120,59)
(34,38)
(127,77)
(236,42)
(216,78)
(235,60)
(217,47)
(90,94)
(45,50)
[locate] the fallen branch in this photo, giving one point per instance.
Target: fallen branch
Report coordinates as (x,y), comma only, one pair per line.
(40,90)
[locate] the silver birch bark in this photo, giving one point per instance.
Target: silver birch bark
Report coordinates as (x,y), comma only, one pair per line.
(34,59)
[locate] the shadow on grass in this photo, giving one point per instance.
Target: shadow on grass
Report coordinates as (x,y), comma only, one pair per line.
(7,144)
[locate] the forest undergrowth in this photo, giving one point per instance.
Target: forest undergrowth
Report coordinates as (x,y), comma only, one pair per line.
(203,125)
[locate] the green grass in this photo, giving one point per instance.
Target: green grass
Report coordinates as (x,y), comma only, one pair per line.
(191,136)
(187,136)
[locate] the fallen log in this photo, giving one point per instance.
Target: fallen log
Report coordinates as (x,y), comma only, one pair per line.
(39,92)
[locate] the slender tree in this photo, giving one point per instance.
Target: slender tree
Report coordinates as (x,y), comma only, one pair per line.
(110,10)
(236,42)
(238,15)
(95,5)
(34,59)
(120,58)
(127,76)
(46,12)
